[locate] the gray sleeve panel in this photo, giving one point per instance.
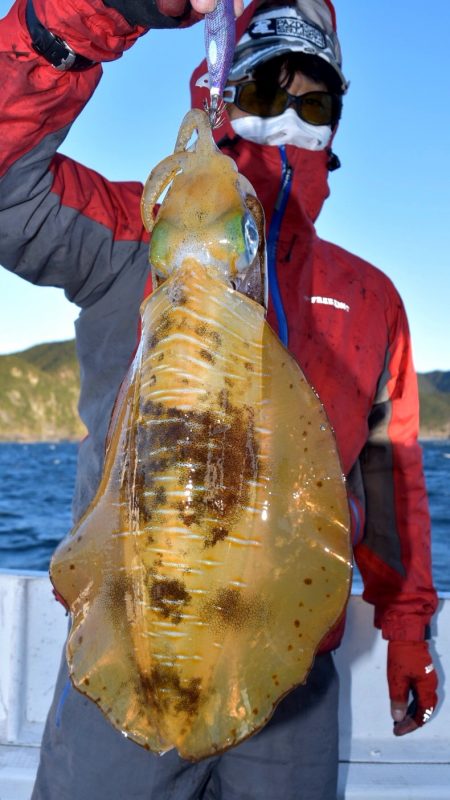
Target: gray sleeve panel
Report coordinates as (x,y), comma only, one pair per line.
(51,244)
(106,340)
(377,470)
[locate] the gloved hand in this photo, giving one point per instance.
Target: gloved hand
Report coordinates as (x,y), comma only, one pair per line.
(166,13)
(410,668)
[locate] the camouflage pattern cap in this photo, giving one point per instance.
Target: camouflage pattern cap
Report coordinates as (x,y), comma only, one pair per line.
(305,27)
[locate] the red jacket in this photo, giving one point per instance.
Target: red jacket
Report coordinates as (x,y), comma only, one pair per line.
(62,224)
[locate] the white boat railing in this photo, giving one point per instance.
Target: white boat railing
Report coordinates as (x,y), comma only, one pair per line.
(375,765)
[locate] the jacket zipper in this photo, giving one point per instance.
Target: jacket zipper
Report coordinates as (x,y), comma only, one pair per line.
(272,246)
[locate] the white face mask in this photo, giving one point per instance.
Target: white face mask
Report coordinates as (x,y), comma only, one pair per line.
(287,128)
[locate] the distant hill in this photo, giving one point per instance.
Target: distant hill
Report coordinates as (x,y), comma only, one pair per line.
(434,390)
(39,395)
(39,391)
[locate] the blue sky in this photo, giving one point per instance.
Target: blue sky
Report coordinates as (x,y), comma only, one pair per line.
(390,202)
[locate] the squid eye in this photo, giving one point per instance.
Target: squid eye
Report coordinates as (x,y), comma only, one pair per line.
(159,241)
(159,246)
(251,237)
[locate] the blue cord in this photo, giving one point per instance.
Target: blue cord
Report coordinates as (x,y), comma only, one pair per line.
(272,246)
(62,699)
(356,516)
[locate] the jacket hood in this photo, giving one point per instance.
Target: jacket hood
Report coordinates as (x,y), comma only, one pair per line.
(310,168)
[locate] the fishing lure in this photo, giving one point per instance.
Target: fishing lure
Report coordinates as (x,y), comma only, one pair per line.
(215,555)
(220,39)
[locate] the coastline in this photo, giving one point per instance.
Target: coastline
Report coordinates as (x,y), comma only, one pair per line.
(434,436)
(47,440)
(424,436)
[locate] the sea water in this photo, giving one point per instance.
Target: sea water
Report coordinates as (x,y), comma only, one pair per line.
(37,483)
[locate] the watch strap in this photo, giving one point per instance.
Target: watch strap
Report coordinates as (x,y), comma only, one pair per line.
(54,49)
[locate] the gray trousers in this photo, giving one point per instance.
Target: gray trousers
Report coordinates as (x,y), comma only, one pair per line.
(295,757)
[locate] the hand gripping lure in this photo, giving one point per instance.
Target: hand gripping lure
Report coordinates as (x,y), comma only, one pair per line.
(220,38)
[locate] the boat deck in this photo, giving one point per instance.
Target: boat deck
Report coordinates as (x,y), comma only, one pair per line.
(374,765)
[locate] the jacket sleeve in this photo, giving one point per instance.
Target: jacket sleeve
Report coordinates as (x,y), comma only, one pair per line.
(61,224)
(394,554)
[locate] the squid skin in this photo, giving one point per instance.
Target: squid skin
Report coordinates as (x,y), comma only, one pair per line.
(215,555)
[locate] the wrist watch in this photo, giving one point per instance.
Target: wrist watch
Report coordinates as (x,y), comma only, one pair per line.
(54,49)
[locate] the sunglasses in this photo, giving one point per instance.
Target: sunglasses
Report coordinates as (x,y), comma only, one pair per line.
(317,108)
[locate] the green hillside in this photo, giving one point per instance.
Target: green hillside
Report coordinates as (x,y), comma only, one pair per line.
(434,389)
(39,394)
(52,358)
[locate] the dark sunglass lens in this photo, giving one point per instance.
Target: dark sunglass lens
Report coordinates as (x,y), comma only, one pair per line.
(279,102)
(316,108)
(246,98)
(254,98)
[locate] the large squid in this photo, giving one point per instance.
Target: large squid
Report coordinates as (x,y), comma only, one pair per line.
(215,555)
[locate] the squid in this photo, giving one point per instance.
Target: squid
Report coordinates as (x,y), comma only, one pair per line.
(215,555)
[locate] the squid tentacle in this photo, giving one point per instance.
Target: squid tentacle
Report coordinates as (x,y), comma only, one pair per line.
(157,181)
(165,172)
(195,120)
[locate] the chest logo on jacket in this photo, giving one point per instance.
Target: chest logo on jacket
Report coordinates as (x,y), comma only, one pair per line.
(328,301)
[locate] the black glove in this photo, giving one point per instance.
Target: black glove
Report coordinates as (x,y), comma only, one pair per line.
(155,13)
